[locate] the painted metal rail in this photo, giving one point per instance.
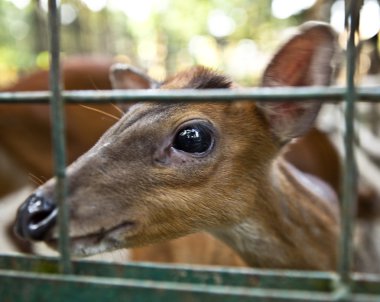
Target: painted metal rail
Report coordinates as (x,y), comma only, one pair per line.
(299,94)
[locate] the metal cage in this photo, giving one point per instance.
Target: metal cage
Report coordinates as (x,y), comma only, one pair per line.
(60,279)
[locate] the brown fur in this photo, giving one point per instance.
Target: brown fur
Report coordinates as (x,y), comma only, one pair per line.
(198,77)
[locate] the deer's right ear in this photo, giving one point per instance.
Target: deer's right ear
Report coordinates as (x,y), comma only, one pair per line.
(307,59)
(124,76)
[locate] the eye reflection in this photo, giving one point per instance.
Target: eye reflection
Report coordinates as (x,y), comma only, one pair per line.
(193,139)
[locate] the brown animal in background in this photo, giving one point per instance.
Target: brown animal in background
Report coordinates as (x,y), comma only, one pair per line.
(164,171)
(25,128)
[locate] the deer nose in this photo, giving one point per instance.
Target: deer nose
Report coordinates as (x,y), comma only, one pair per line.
(35,217)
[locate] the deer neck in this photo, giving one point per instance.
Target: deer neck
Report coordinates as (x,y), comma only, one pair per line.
(289,225)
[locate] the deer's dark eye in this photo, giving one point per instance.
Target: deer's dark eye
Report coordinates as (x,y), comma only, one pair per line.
(196,138)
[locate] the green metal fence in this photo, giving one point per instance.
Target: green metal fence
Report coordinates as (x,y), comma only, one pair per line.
(52,279)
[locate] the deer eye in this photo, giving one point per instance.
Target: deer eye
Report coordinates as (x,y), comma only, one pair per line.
(195,138)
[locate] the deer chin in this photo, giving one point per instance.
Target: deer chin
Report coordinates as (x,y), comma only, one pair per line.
(98,242)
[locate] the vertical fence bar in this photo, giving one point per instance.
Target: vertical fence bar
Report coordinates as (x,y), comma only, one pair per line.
(350,173)
(57,117)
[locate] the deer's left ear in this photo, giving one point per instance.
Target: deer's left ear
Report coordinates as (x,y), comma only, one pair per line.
(307,59)
(124,76)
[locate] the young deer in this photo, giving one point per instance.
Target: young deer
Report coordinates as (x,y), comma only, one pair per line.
(167,170)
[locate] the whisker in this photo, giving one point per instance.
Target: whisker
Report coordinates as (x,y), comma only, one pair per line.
(35,179)
(118,256)
(118,109)
(100,111)
(40,179)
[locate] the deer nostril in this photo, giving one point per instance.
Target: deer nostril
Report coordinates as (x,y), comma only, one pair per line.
(35,217)
(38,217)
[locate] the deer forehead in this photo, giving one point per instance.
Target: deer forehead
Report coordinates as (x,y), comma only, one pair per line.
(148,121)
(156,117)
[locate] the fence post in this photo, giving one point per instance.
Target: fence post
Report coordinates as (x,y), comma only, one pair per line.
(57,118)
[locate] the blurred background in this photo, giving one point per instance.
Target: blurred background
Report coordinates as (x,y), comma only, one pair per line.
(164,36)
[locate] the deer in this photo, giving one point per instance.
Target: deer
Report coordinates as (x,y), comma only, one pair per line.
(164,171)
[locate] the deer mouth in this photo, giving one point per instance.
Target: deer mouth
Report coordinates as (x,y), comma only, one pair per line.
(103,240)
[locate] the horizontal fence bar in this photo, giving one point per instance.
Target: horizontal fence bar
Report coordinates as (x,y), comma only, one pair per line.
(325,94)
(38,279)
(226,276)
(42,287)
(182,273)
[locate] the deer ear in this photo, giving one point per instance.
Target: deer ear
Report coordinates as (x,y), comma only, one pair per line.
(307,59)
(124,76)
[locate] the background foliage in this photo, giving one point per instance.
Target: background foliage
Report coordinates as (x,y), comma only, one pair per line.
(161,36)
